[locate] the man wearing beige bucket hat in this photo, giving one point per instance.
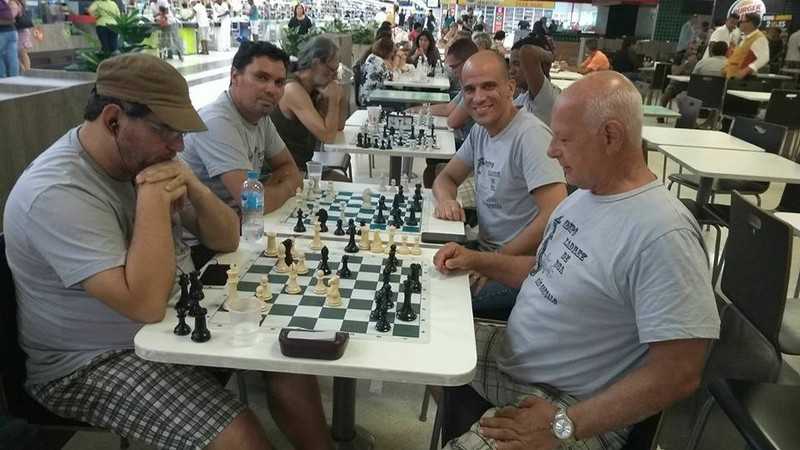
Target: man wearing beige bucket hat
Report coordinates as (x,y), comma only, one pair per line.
(92,230)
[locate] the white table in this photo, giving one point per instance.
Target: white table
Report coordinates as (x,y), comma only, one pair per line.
(659,111)
(732,164)
(790,70)
(679,78)
(359,116)
(407,97)
(562,84)
(447,358)
(792,219)
(707,139)
(761,97)
(565,75)
(411,82)
(275,221)
(346,140)
(647,68)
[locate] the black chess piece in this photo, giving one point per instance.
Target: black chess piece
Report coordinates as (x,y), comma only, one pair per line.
(393,256)
(380,218)
(195,294)
(407,313)
(376,312)
(412,218)
(351,246)
(383,144)
(412,136)
(397,218)
(182,328)
(344,271)
(339,231)
(416,272)
(351,225)
(360,140)
(401,197)
(389,144)
(287,245)
(416,205)
(361,225)
(183,300)
(323,263)
(418,191)
(390,266)
(201,332)
(322,216)
(387,289)
(383,324)
(382,203)
(299,227)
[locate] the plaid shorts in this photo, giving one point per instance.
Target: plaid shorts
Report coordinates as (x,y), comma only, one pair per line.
(165,405)
(499,389)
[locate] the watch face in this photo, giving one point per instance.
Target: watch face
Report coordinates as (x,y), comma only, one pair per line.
(562,428)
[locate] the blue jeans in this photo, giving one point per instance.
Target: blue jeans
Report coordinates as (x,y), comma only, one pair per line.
(9,59)
(494,301)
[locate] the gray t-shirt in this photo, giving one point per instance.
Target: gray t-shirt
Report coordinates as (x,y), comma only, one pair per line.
(540,105)
(66,220)
(614,273)
(507,168)
(231,143)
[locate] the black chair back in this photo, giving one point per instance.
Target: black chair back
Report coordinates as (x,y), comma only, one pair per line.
(784,108)
(689,107)
(660,72)
(790,199)
(708,89)
(756,273)
(768,136)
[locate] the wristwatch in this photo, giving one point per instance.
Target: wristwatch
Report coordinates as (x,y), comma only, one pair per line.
(563,427)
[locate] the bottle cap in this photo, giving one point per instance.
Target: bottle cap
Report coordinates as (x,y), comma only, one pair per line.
(252,174)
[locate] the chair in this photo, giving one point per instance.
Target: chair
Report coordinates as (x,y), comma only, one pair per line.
(15,400)
(689,108)
(659,81)
(783,108)
(335,161)
(708,89)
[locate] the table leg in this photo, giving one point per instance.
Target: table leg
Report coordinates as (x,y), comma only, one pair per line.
(343,422)
(395,167)
(704,191)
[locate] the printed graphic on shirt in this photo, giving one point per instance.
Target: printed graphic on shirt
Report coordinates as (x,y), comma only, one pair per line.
(554,259)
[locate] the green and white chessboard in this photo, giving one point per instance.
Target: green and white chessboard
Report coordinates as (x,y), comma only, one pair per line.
(307,310)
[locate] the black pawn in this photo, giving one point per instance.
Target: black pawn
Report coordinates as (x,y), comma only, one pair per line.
(416,271)
(367,143)
(393,256)
(182,328)
(383,144)
(382,203)
(400,194)
(397,218)
(412,218)
(413,136)
(201,332)
(339,230)
(344,271)
(380,217)
(322,215)
(389,144)
(407,313)
(360,140)
(418,191)
(391,264)
(183,300)
(351,246)
(387,289)
(396,202)
(299,227)
(323,263)
(383,324)
(351,226)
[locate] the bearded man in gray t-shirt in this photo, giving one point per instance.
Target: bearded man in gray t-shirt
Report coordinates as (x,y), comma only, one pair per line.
(615,312)
(517,185)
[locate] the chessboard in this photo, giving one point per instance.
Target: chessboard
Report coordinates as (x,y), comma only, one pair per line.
(347,205)
(308,310)
(398,130)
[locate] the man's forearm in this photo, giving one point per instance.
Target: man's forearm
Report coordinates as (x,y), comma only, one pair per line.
(444,188)
(280,187)
(509,270)
(217,224)
(441,109)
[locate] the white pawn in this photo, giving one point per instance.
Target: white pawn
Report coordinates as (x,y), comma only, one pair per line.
(390,242)
(403,249)
(377,243)
(366,198)
(365,242)
(281,267)
(415,250)
(382,185)
(343,211)
(320,287)
(264,291)
(292,286)
(302,269)
(332,296)
(272,244)
(316,243)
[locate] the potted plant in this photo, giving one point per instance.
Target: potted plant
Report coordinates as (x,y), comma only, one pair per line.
(132,30)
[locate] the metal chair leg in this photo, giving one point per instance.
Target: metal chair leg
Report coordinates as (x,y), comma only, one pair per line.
(124,444)
(437,428)
(700,424)
(242,386)
(426,398)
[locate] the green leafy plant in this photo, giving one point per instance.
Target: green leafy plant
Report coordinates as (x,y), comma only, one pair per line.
(292,40)
(364,34)
(337,26)
(132,30)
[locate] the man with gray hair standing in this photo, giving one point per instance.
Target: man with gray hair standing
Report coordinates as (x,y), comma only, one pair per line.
(616,310)
(311,107)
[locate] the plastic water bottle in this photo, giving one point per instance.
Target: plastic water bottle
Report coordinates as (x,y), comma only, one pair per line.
(252,207)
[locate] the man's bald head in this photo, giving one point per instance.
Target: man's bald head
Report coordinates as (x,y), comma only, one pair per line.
(488,60)
(606,96)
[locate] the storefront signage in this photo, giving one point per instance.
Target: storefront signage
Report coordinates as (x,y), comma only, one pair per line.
(743,7)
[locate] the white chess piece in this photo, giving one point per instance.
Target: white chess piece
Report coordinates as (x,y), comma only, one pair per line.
(390,242)
(272,244)
(366,198)
(292,286)
(377,243)
(403,249)
(265,288)
(320,287)
(302,269)
(281,266)
(415,250)
(382,185)
(316,243)
(232,283)
(333,297)
(343,211)
(365,242)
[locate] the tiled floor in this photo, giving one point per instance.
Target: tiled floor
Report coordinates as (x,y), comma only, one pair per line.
(390,410)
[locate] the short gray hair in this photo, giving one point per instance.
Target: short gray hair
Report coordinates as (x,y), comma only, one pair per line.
(623,103)
(319,47)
